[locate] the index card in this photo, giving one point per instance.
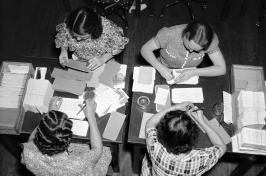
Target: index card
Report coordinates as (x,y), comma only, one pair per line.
(80,127)
(194,95)
(161,96)
(145,75)
(145,118)
(114,126)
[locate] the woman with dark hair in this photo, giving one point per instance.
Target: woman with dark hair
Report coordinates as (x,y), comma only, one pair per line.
(170,138)
(91,37)
(49,150)
(184,46)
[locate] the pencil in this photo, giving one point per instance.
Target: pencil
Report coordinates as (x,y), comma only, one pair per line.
(198,109)
(81,109)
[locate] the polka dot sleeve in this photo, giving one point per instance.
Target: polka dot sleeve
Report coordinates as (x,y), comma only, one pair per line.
(214,45)
(161,38)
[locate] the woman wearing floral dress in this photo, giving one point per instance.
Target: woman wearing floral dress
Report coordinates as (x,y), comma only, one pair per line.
(91,37)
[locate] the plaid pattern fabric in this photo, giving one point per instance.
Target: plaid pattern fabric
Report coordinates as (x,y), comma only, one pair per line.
(161,163)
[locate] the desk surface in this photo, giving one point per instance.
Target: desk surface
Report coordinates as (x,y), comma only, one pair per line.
(31,120)
(212,91)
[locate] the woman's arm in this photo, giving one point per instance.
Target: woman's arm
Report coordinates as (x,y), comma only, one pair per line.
(97,62)
(213,136)
(147,53)
(63,57)
(95,137)
(218,68)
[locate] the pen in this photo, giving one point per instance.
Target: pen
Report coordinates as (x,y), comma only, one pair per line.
(81,109)
(198,109)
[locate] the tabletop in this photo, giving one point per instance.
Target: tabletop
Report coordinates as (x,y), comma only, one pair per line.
(212,88)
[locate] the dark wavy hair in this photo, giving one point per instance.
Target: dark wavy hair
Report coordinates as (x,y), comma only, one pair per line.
(53,133)
(200,31)
(83,21)
(177,132)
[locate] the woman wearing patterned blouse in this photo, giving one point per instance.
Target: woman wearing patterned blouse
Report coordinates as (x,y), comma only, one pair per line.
(184,46)
(49,151)
(170,138)
(91,37)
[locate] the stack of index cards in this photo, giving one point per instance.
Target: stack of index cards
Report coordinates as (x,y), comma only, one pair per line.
(38,96)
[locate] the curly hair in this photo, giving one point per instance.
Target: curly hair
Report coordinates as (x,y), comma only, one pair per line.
(177,132)
(83,21)
(200,31)
(53,133)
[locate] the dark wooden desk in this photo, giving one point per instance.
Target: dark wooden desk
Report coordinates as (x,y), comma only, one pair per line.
(212,91)
(31,120)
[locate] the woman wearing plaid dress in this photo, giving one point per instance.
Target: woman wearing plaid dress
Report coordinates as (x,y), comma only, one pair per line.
(170,138)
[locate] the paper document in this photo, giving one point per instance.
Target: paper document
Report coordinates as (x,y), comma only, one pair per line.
(68,85)
(194,95)
(214,124)
(80,127)
(114,126)
(161,96)
(145,118)
(227,102)
(138,87)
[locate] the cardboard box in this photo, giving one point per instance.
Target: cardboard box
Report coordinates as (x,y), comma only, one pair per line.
(245,77)
(11,119)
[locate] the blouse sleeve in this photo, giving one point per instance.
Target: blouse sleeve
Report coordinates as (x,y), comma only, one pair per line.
(151,139)
(211,156)
(214,45)
(115,37)
(161,38)
(63,36)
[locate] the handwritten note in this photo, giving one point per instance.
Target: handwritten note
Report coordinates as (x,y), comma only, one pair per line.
(114,126)
(194,95)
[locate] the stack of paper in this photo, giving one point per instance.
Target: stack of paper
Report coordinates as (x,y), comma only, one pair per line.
(176,72)
(251,107)
(12,86)
(227,99)
(38,96)
(251,140)
(194,95)
(143,79)
(109,99)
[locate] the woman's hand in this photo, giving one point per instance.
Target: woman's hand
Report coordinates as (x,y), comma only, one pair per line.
(63,58)
(185,75)
(184,106)
(166,73)
(90,108)
(95,63)
(198,115)
(55,103)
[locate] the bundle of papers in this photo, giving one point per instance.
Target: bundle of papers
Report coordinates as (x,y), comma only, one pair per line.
(176,72)
(250,141)
(194,95)
(143,79)
(38,96)
(109,99)
(227,99)
(12,86)
(251,107)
